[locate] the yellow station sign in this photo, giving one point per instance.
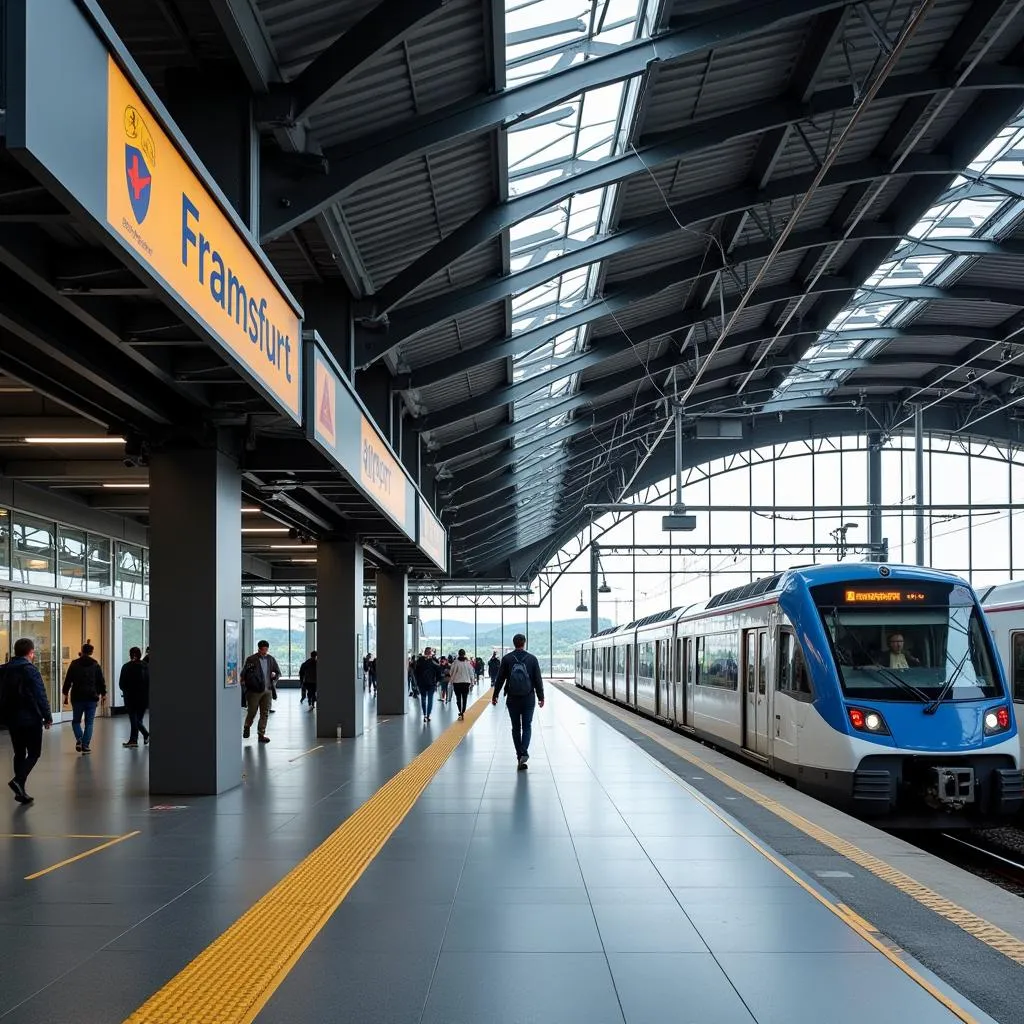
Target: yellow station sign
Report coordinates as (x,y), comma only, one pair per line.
(158,205)
(380,474)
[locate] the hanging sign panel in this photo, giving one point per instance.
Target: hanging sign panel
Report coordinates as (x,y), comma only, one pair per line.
(431,536)
(96,134)
(337,424)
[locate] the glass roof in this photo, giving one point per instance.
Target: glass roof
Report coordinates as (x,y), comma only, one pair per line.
(545,36)
(982,203)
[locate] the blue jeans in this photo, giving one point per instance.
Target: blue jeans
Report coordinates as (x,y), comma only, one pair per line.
(427,700)
(520,710)
(78,709)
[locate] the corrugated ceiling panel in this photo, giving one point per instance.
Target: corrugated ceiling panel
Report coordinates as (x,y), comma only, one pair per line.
(740,75)
(461,390)
(996,272)
(978,314)
(441,62)
(675,245)
(922,49)
(446,341)
(397,217)
(443,435)
(718,168)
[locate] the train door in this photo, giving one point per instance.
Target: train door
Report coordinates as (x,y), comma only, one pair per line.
(1015,678)
(761,745)
(750,666)
(688,675)
(678,675)
(663,670)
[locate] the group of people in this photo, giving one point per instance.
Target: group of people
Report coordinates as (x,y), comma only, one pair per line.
(25,707)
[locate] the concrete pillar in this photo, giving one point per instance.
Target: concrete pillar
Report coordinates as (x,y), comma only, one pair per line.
(339,593)
(392,615)
(196,564)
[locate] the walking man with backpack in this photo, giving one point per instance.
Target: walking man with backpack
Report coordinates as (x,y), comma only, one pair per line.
(519,675)
(84,689)
(26,711)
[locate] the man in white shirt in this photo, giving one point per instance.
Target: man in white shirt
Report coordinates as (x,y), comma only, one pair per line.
(898,657)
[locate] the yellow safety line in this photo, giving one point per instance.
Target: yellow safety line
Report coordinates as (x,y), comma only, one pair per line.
(220,985)
(81,856)
(33,835)
(993,936)
(312,750)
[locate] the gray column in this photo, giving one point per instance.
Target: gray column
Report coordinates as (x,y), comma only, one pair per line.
(196,563)
(595,556)
(392,616)
(875,491)
(339,607)
(919,556)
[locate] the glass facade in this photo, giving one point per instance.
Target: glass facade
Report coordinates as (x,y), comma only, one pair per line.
(71,558)
(34,551)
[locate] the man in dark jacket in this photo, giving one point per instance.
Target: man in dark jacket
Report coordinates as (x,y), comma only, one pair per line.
(519,675)
(307,679)
(23,697)
(260,674)
(134,686)
(428,674)
(492,667)
(86,688)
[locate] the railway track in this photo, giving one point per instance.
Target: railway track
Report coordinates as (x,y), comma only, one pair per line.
(996,861)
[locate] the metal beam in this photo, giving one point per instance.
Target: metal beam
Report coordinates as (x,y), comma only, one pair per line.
(258,567)
(244,31)
(411,319)
(359,158)
(382,26)
(694,138)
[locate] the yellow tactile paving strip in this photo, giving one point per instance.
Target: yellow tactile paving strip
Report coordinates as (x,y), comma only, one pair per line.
(992,935)
(220,986)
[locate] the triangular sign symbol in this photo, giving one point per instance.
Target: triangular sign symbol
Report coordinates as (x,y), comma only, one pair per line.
(326,409)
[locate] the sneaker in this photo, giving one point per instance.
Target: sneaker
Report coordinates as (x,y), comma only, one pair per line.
(129,744)
(273,711)
(85,749)
(461,716)
(428,718)
(145,739)
(264,739)
(524,758)
(522,765)
(78,747)
(245,733)
(19,792)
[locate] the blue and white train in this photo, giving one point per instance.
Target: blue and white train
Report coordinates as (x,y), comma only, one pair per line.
(874,687)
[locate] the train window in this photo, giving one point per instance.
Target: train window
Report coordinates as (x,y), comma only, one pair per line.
(718,660)
(678,669)
(645,661)
(750,641)
(793,677)
(762,656)
(620,662)
(1017,668)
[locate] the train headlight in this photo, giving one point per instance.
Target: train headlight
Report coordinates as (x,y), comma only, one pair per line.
(866,720)
(997,720)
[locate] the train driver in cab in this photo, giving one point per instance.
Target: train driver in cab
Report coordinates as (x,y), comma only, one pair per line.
(897,656)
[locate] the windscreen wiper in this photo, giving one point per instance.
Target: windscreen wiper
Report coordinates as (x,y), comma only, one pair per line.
(885,673)
(947,686)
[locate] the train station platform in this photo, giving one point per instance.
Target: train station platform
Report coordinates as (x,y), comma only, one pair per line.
(415,875)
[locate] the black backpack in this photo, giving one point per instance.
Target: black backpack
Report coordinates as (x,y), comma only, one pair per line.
(519,682)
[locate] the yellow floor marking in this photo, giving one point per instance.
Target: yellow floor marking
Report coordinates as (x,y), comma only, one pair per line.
(34,835)
(312,750)
(1002,941)
(221,986)
(81,856)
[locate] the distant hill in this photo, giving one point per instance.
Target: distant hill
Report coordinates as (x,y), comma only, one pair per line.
(457,633)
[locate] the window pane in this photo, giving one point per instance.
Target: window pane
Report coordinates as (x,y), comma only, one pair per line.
(128,571)
(71,568)
(1017,670)
(145,576)
(99,565)
(34,551)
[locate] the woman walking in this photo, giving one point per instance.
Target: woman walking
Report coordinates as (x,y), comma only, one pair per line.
(134,685)
(462,680)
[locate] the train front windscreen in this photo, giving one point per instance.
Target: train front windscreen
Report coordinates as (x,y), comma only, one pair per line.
(900,641)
